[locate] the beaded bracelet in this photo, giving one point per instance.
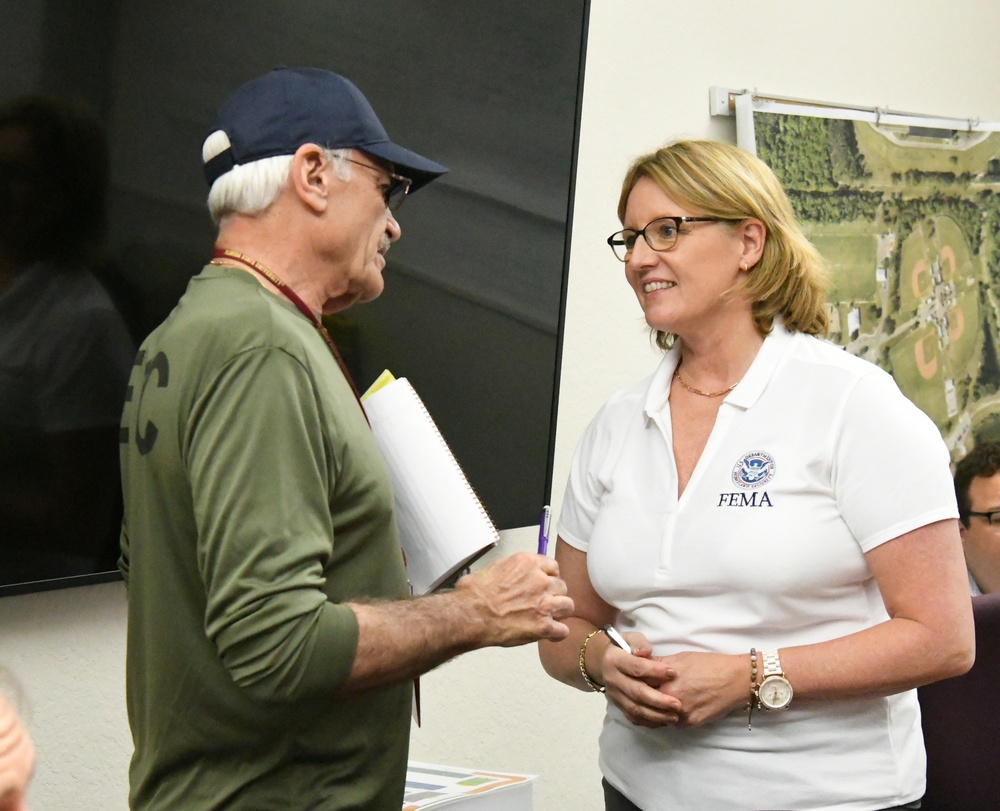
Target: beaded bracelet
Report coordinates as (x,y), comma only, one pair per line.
(597,688)
(753,687)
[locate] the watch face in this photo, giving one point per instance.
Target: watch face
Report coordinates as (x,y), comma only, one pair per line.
(775,693)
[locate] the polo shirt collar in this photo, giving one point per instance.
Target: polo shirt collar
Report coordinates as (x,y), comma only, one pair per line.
(750,388)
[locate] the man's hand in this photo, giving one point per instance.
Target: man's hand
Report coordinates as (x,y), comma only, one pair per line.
(518,599)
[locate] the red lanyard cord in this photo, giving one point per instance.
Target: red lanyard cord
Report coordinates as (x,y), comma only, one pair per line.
(292,296)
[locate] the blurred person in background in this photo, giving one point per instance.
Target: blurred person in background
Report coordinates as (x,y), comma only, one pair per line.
(65,352)
(17,757)
(977,488)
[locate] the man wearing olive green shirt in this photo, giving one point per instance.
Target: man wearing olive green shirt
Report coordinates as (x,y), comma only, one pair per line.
(271,640)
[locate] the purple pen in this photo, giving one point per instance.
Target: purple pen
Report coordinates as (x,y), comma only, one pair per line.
(543,529)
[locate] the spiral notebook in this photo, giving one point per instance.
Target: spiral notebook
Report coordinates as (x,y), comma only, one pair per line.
(443,526)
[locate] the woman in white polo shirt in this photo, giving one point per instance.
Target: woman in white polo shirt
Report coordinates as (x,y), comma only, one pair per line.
(767,520)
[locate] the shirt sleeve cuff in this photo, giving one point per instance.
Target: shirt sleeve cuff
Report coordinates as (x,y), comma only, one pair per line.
(334,650)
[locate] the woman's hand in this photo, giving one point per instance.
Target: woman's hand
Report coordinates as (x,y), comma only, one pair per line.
(634,680)
(707,685)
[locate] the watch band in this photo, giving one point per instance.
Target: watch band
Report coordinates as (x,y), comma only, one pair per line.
(772,664)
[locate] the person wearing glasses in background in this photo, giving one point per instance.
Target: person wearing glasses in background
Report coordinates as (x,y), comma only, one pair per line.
(977,488)
(272,641)
(766,520)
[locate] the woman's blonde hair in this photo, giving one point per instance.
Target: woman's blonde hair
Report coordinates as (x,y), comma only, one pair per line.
(718,179)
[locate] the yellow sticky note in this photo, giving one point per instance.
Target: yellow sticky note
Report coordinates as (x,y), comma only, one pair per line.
(381,381)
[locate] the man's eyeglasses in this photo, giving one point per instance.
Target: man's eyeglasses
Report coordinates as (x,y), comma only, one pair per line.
(394,192)
(992,518)
(660,235)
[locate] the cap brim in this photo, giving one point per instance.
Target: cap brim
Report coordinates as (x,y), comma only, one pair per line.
(419,169)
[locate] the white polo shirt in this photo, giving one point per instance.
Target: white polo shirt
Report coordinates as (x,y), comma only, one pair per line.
(816,457)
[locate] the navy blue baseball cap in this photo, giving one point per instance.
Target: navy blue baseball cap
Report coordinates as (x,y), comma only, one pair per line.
(280,111)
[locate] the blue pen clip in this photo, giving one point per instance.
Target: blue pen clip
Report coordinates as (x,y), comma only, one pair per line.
(543,530)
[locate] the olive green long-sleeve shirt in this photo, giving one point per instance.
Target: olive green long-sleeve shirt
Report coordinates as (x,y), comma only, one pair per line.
(256,502)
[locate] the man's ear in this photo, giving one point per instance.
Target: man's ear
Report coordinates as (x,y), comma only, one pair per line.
(309,178)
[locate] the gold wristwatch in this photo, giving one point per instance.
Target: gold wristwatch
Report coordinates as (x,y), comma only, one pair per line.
(774,691)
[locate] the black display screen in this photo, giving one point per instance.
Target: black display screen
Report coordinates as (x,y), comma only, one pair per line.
(103,222)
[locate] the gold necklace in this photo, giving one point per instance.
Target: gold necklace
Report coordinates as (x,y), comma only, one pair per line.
(693,390)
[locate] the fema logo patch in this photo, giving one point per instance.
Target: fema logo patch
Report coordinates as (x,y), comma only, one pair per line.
(754,469)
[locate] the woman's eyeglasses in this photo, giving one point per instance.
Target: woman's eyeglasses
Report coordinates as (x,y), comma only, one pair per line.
(660,235)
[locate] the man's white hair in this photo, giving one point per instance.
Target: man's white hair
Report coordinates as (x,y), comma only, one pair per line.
(251,188)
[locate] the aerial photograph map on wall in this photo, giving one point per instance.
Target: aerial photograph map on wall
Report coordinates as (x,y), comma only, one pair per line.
(908,219)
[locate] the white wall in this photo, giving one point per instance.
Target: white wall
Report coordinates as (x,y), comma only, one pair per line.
(67,650)
(649,67)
